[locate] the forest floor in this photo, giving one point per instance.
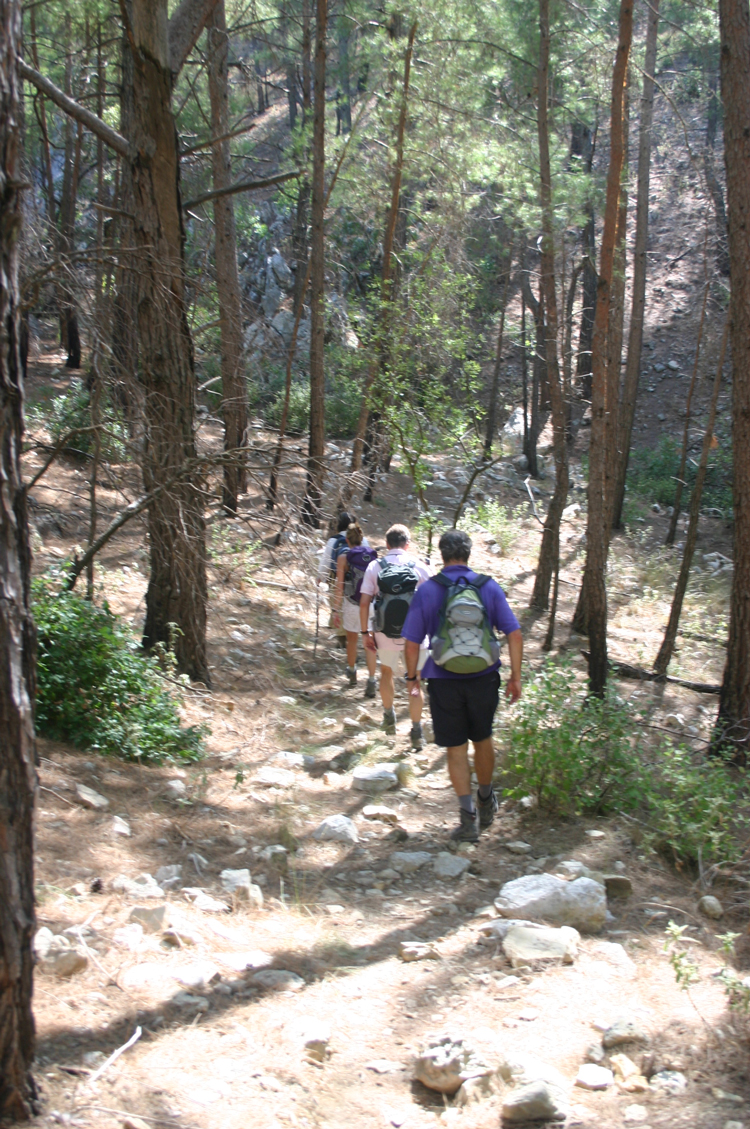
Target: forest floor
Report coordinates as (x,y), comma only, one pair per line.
(218,1049)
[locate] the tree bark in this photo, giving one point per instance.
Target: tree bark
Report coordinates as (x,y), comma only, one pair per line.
(615,326)
(594,589)
(640,266)
(536,305)
(679,484)
(233,392)
(18,781)
(489,437)
(316,451)
(177,591)
(667,647)
(548,555)
(582,145)
(733,724)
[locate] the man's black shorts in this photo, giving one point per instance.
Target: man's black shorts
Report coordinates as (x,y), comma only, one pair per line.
(463,709)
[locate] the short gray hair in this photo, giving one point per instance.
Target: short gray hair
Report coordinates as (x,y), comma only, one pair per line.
(397,536)
(455,545)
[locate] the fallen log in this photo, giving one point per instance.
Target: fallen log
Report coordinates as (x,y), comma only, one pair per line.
(625,670)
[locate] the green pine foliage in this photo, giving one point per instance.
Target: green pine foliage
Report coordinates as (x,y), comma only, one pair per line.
(97,690)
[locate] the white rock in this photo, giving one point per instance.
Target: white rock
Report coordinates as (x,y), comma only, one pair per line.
(615,954)
(151,918)
(275,853)
(498,928)
(175,789)
(43,939)
(91,799)
(381,812)
(525,946)
(674,721)
(592,1077)
(447,865)
(169,876)
(635,1114)
(518,847)
(446,1062)
(236,882)
(129,937)
(375,778)
(570,868)
(278,980)
(241,962)
(144,886)
(533,1102)
(406,862)
(417,950)
(337,828)
(669,1081)
(711,907)
(120,826)
(203,901)
(595,834)
(275,777)
(198,975)
(581,903)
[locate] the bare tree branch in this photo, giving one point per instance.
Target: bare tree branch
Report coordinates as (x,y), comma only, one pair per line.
(185,27)
(75,110)
(241,186)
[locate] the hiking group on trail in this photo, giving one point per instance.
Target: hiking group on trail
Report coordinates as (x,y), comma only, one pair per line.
(439,628)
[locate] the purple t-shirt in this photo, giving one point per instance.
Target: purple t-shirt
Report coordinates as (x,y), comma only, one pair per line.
(423,617)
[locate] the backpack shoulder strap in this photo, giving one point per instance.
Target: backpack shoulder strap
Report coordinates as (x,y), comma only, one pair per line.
(443,580)
(480,581)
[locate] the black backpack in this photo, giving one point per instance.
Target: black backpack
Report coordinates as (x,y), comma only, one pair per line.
(339,546)
(397,584)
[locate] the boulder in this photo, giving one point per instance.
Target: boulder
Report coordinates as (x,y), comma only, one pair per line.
(623,1030)
(337,828)
(535,1101)
(526,946)
(447,1062)
(447,865)
(281,272)
(512,433)
(374,778)
(581,903)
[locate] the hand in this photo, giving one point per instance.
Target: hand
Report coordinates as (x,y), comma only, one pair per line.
(513,689)
(336,619)
(369,642)
(414,689)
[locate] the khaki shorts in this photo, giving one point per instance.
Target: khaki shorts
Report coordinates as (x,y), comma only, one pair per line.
(350,617)
(391,653)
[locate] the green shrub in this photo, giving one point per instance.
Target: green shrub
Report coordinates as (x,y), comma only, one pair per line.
(652,475)
(96,690)
(71,410)
(503,522)
(572,753)
(342,398)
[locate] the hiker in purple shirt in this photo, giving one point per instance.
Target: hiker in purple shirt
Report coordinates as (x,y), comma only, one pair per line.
(458,609)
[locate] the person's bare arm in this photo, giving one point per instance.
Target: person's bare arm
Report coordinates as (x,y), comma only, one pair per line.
(338,598)
(515,653)
(411,658)
(364,615)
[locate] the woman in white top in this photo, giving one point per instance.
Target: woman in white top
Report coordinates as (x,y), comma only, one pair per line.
(346,606)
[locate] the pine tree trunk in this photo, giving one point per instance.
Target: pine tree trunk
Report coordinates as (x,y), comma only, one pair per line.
(17,641)
(588,306)
(316,452)
(615,327)
(549,552)
(734,17)
(491,425)
(177,592)
(594,588)
(640,265)
(234,397)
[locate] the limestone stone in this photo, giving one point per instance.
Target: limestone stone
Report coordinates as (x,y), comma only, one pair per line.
(337,828)
(144,886)
(91,799)
(669,1081)
(255,959)
(66,963)
(120,826)
(375,778)
(635,1114)
(447,865)
(237,883)
(275,777)
(593,1077)
(43,939)
(175,789)
(417,950)
(407,862)
(197,975)
(623,1030)
(381,812)
(447,1062)
(518,847)
(711,907)
(151,918)
(278,980)
(169,876)
(533,1102)
(581,903)
(526,946)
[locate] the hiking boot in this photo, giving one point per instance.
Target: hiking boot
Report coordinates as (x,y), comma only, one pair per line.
(487,809)
(351,674)
(370,688)
(389,721)
(468,829)
(417,741)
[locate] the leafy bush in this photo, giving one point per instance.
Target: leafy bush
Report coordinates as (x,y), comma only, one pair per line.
(72,410)
(503,522)
(96,690)
(576,754)
(342,407)
(652,475)
(572,753)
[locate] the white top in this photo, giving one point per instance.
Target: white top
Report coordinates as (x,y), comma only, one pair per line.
(393,556)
